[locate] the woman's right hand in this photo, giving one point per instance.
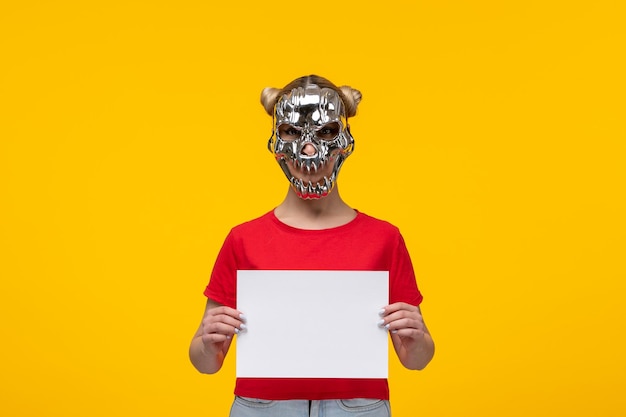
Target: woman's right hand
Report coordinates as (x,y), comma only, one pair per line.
(219,325)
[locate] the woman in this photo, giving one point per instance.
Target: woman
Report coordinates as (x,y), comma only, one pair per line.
(311,140)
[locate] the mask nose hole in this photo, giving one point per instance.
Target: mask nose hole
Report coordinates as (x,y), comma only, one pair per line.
(308,150)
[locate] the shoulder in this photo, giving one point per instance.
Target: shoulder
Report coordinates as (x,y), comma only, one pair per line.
(259,223)
(378,229)
(381,226)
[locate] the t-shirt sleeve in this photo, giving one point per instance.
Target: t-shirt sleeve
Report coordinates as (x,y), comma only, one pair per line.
(403,286)
(222,286)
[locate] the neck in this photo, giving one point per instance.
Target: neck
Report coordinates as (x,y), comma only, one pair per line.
(323,213)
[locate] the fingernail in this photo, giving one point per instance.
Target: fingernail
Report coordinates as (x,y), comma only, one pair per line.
(227,337)
(381,312)
(243,326)
(381,322)
(394,331)
(387,327)
(236,330)
(243,317)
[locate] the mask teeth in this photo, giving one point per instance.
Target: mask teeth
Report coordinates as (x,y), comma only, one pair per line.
(308,166)
(296,183)
(309,190)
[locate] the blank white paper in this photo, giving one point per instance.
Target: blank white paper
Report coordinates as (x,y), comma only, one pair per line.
(312,324)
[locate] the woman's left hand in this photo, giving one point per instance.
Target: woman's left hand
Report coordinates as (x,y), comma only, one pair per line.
(409,334)
(404,321)
(411,339)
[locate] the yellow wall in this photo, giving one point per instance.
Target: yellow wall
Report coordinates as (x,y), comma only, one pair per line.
(131,140)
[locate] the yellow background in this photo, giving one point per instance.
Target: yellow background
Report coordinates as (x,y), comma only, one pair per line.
(131,140)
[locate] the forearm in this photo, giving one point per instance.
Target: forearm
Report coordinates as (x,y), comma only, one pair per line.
(418,355)
(205,362)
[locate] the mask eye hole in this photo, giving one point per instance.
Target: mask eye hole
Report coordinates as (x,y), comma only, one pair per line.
(288,132)
(328,131)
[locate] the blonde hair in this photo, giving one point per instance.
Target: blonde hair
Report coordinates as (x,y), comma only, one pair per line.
(349,96)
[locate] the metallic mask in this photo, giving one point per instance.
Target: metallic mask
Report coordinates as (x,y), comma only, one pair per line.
(315,133)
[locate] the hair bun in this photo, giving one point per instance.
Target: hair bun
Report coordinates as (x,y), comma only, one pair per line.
(269,97)
(352,99)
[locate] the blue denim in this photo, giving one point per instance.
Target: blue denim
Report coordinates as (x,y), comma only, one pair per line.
(361,407)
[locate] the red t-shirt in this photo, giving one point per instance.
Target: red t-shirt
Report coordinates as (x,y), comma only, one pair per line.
(364,244)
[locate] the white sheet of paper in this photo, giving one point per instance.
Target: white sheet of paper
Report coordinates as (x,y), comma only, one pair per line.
(312,324)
